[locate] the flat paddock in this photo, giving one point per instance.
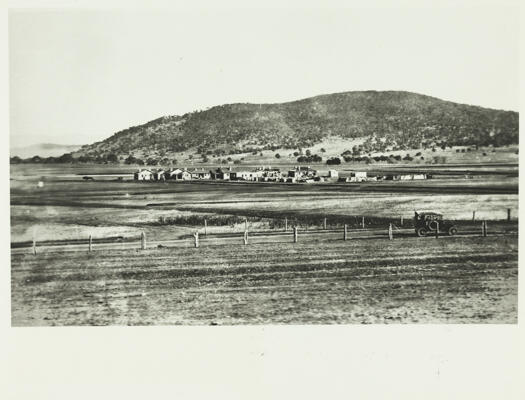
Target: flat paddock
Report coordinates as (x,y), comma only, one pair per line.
(410,280)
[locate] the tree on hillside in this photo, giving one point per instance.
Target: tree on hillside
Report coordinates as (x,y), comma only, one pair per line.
(130,160)
(333,161)
(112,158)
(65,158)
(277,155)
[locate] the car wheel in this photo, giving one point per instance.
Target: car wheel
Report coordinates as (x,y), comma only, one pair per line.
(421,232)
(452,231)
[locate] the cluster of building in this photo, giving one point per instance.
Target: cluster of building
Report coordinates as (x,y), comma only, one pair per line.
(362,176)
(260,174)
(298,174)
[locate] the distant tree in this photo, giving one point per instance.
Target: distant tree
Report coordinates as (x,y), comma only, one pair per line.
(152,161)
(50,160)
(174,161)
(333,161)
(229,158)
(112,158)
(237,162)
(15,160)
(66,158)
(308,152)
(296,153)
(130,160)
(277,155)
(85,159)
(323,150)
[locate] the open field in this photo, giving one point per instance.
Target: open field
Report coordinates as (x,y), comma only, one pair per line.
(449,280)
(73,209)
(320,279)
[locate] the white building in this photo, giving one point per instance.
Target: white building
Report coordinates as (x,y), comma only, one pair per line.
(332,173)
(143,175)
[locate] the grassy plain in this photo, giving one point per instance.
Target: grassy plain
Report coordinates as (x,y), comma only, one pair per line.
(457,280)
(69,208)
(410,280)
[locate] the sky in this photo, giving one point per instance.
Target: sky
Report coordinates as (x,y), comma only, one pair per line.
(78,76)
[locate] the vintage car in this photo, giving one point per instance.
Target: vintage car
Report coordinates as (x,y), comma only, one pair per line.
(428,222)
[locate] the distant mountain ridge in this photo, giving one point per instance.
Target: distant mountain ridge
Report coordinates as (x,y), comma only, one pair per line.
(388,120)
(43,150)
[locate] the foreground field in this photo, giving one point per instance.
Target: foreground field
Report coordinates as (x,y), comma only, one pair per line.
(410,280)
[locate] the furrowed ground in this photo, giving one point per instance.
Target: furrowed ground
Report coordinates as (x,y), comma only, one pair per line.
(409,280)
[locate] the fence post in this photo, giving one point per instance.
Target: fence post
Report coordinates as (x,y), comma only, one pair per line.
(401,220)
(90,242)
(437,229)
(143,240)
(245,224)
(295,234)
(205,227)
(508,214)
(34,246)
(324,223)
(484,228)
(245,237)
(390,233)
(196,236)
(473,215)
(345,235)
(285,224)
(363,222)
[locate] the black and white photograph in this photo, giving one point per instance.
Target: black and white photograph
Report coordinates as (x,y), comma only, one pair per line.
(263,167)
(261,200)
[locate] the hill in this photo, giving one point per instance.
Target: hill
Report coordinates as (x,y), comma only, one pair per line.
(43,150)
(382,121)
